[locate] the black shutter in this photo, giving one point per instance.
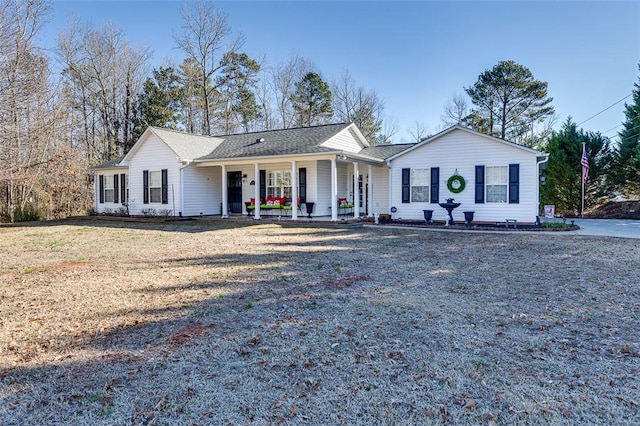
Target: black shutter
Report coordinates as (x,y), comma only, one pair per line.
(116,191)
(145,186)
(101,188)
(406,185)
(165,189)
(435,184)
(123,188)
(479,184)
(263,185)
(514,183)
(302,184)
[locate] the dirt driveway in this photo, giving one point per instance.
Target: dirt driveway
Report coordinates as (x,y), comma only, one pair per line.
(218,323)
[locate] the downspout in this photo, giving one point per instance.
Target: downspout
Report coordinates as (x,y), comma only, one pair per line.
(389,180)
(544,160)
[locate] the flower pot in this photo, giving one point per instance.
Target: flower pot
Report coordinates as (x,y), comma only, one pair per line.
(428,214)
(468,218)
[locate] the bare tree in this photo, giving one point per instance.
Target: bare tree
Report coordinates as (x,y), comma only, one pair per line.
(283,85)
(419,131)
(389,129)
(456,110)
(204,32)
(352,103)
(103,75)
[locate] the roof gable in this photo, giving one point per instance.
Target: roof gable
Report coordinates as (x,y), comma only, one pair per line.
(300,140)
(185,145)
(467,130)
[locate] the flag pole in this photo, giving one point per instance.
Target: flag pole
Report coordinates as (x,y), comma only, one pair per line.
(582,174)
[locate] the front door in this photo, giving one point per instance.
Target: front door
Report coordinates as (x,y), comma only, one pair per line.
(234,191)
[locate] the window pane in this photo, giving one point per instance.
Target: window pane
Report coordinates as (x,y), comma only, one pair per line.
(155,195)
(108,195)
(155,179)
(420,194)
(496,193)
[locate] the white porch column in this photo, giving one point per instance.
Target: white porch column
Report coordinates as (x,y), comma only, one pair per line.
(225,207)
(256,191)
(356,191)
(370,190)
(334,190)
(294,190)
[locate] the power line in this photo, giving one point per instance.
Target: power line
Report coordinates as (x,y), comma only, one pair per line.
(610,106)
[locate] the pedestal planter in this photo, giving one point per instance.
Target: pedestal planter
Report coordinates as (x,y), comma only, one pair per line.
(309,207)
(468,218)
(428,214)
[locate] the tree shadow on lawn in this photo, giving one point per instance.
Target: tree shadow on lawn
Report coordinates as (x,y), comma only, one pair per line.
(289,330)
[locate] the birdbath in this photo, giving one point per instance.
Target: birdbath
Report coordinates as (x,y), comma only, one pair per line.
(450,206)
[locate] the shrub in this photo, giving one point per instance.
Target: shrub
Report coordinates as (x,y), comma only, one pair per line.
(27,214)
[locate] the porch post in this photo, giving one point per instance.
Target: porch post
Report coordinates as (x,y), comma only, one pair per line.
(294,190)
(356,191)
(369,190)
(225,207)
(334,190)
(256,192)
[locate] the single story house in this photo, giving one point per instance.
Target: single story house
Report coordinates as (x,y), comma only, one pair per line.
(317,170)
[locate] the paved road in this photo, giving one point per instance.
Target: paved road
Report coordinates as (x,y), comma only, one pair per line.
(607,227)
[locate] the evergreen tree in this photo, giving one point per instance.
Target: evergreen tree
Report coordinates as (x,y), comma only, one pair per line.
(508,102)
(626,174)
(564,171)
(236,85)
(159,103)
(312,101)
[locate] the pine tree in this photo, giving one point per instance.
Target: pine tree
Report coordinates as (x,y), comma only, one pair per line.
(626,174)
(312,101)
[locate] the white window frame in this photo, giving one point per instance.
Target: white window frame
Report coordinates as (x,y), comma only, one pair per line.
(496,182)
(420,185)
(155,188)
(108,188)
(278,183)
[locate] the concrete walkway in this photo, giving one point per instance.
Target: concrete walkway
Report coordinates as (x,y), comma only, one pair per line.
(607,228)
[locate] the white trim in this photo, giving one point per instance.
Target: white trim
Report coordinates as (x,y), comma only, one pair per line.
(294,190)
(225,201)
(356,191)
(334,190)
(369,184)
(256,192)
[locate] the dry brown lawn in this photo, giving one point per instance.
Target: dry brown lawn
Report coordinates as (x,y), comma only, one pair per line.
(226,323)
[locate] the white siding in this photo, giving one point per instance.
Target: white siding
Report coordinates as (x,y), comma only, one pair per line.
(323,189)
(344,141)
(462,151)
(154,155)
(202,188)
(380,183)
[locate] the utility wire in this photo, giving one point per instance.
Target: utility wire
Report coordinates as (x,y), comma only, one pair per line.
(610,106)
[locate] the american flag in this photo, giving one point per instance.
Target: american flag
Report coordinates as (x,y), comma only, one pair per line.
(585,165)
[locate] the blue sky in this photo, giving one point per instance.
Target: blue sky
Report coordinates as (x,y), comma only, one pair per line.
(417,54)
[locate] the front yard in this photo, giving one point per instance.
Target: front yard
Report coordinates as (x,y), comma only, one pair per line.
(221,323)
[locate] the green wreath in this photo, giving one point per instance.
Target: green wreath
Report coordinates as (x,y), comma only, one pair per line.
(456,184)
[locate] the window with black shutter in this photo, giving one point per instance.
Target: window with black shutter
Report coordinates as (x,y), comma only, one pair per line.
(479,184)
(123,188)
(263,184)
(116,191)
(101,188)
(165,187)
(406,185)
(302,184)
(435,184)
(514,183)
(145,186)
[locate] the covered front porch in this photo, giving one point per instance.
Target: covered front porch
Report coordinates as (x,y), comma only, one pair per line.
(328,187)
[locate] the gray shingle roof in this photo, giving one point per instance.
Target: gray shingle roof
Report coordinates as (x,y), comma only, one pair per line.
(385,151)
(186,145)
(303,140)
(108,164)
